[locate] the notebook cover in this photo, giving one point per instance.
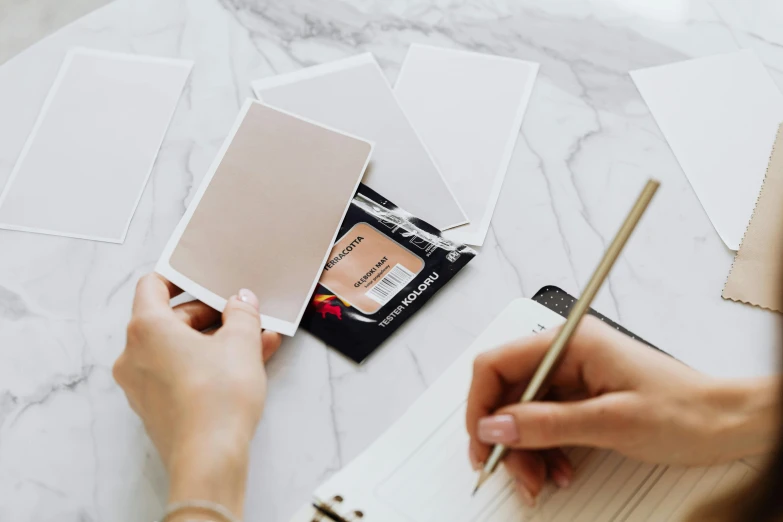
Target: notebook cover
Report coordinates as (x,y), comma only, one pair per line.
(560,301)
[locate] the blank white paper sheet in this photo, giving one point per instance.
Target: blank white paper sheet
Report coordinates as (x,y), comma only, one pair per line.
(354,96)
(720,115)
(84,166)
(467,108)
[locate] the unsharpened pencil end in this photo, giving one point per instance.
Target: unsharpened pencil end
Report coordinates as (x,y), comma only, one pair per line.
(483,476)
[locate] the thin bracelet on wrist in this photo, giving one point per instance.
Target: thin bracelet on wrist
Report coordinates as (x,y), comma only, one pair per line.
(205,506)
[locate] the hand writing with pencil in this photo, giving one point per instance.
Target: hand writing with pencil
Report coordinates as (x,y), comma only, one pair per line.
(610,392)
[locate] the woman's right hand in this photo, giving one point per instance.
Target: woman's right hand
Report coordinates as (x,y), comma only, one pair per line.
(611,392)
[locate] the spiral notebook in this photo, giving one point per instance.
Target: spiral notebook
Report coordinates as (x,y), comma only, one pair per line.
(418,471)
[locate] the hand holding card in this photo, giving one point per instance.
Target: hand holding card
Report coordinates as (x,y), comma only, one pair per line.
(265,216)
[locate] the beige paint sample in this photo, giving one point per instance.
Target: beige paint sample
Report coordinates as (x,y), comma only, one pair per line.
(367,269)
(267,217)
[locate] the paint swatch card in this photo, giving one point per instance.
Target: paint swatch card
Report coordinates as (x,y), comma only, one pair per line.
(367,269)
(266,214)
(384,267)
(83,168)
(354,96)
(468,109)
(720,115)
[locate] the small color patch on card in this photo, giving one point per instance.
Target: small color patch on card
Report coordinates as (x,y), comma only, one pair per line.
(367,269)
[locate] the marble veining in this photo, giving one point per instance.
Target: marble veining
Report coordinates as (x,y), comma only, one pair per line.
(72,450)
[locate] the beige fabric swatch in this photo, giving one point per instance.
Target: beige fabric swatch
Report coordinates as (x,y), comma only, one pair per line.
(756,277)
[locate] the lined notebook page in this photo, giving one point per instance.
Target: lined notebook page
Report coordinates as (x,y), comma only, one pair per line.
(418,470)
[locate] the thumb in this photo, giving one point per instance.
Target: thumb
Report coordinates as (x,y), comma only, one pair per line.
(241,317)
(597,422)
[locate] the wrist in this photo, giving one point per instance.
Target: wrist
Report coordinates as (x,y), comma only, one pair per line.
(749,410)
(211,470)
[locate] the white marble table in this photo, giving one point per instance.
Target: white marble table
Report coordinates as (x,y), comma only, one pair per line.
(71,449)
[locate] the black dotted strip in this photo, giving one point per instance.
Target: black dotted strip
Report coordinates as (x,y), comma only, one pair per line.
(560,301)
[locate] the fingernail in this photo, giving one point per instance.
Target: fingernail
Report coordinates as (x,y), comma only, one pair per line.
(561,478)
(500,429)
(525,494)
(474,460)
(247,296)
(562,472)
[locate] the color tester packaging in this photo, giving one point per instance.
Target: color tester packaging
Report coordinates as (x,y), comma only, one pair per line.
(384,266)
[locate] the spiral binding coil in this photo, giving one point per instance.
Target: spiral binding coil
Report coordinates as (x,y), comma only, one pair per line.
(327,512)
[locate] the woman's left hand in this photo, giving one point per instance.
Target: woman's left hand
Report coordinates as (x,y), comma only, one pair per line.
(200,395)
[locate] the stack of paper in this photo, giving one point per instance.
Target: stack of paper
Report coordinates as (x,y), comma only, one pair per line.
(444,137)
(266,214)
(441,141)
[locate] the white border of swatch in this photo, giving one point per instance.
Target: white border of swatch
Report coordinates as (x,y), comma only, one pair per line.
(207,296)
(468,108)
(354,95)
(93,146)
(720,115)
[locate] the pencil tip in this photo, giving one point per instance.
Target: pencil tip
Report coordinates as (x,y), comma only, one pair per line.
(482,477)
